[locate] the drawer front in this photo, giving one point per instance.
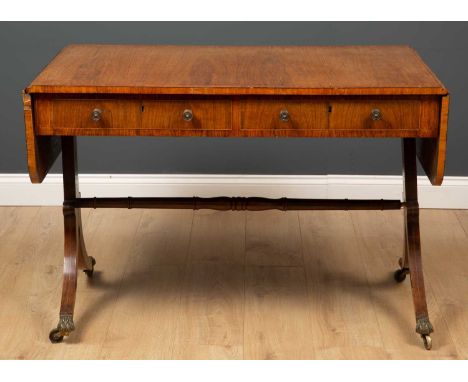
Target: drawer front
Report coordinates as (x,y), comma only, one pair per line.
(283,114)
(187,114)
(262,117)
(376,115)
(95,114)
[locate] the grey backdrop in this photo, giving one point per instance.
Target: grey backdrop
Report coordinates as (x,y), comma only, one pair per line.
(26,47)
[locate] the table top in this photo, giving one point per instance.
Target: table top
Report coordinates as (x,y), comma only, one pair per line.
(238,70)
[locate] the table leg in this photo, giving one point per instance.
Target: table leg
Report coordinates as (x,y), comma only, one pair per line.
(412,262)
(400,274)
(85,262)
(75,255)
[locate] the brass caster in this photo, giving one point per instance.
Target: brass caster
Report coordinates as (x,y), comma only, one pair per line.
(89,272)
(427,341)
(56,336)
(400,275)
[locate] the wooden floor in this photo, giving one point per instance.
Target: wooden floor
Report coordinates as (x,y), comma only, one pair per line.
(232,285)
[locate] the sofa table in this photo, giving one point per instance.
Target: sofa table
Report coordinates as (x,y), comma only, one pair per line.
(236,91)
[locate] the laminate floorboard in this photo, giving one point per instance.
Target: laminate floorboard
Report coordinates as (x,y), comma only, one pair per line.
(174,284)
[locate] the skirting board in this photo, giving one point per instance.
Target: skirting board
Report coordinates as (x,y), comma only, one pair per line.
(16,189)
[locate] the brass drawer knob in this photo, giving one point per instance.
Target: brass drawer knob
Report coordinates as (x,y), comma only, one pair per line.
(376,114)
(96,114)
(187,115)
(284,116)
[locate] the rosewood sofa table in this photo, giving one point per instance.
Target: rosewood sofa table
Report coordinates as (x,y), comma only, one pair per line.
(236,91)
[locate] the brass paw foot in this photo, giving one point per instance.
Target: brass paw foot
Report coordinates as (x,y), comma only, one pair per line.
(64,328)
(424,328)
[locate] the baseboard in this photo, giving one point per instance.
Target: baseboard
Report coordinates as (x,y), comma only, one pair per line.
(16,189)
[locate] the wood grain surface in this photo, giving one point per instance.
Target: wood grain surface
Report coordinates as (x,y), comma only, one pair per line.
(239,117)
(77,114)
(163,69)
(432,152)
(236,91)
(264,114)
(41,151)
(208,114)
(394,114)
(334,297)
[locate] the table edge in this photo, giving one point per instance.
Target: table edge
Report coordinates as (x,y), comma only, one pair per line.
(233,91)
